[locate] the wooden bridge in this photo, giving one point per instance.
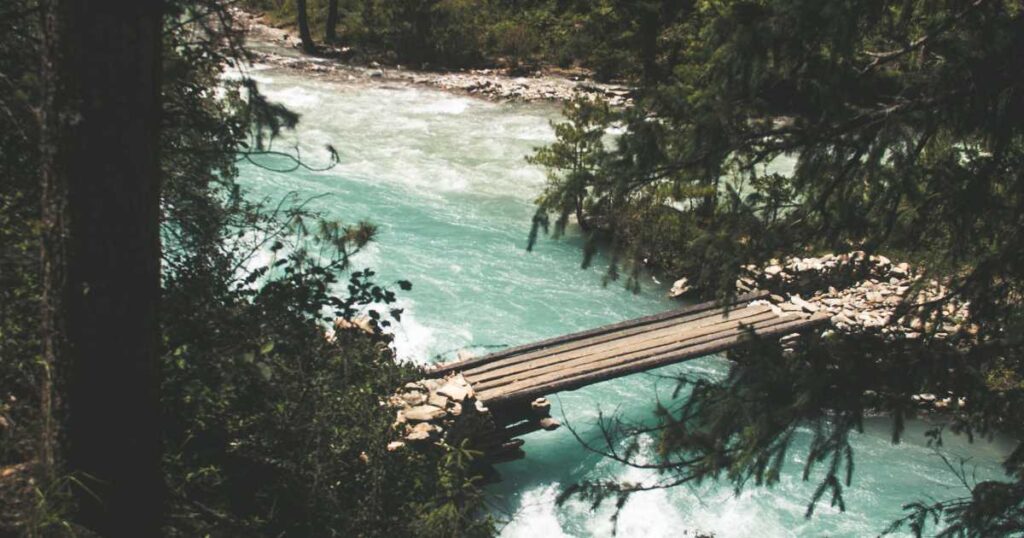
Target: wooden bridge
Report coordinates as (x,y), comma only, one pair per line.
(510,386)
(576,360)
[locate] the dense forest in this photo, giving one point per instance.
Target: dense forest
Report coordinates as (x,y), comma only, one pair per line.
(224,411)
(170,361)
(613,39)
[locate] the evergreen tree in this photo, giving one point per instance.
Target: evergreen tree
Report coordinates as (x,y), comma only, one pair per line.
(903,119)
(267,426)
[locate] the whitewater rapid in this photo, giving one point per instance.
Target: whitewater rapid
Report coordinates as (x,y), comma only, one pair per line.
(444,178)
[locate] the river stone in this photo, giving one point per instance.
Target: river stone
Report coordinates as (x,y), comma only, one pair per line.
(415,386)
(420,432)
(541,406)
(680,287)
(549,424)
(414,398)
(423,413)
(900,270)
(457,389)
(438,400)
(790,307)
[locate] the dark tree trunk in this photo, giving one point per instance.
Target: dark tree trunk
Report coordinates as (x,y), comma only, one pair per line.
(102,252)
(330,33)
(650,27)
(307,40)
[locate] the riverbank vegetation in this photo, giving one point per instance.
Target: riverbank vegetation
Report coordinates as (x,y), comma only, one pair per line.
(769,129)
(606,36)
(232,408)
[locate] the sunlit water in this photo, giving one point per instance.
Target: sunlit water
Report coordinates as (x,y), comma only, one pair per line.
(444,178)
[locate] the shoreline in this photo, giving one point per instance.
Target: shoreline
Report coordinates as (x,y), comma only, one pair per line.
(280,48)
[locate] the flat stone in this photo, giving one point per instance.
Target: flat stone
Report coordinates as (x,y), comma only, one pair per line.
(456,391)
(423,413)
(438,400)
(811,308)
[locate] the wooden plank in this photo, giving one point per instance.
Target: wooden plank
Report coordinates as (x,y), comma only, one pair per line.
(623,354)
(575,382)
(585,343)
(622,346)
(443,369)
(610,360)
(618,348)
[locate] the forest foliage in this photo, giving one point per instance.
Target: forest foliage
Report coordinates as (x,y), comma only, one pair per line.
(767,129)
(272,423)
(603,36)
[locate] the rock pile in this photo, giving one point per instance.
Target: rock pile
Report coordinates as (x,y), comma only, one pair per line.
(861,293)
(809,275)
(494,84)
(446,410)
(428,408)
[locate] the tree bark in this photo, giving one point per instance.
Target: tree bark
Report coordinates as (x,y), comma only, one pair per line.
(308,46)
(331,32)
(101,134)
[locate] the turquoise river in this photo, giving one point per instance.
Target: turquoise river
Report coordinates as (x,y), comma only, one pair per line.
(445,179)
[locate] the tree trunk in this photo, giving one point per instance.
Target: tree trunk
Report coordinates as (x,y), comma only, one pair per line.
(330,33)
(307,40)
(101,134)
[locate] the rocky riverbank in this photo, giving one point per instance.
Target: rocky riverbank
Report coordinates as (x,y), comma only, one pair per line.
(281,48)
(862,294)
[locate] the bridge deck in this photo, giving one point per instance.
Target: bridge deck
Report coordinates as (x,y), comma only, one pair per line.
(576,360)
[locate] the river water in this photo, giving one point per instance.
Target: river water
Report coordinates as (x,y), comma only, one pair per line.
(444,178)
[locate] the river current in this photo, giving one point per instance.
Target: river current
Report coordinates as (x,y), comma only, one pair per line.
(444,178)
